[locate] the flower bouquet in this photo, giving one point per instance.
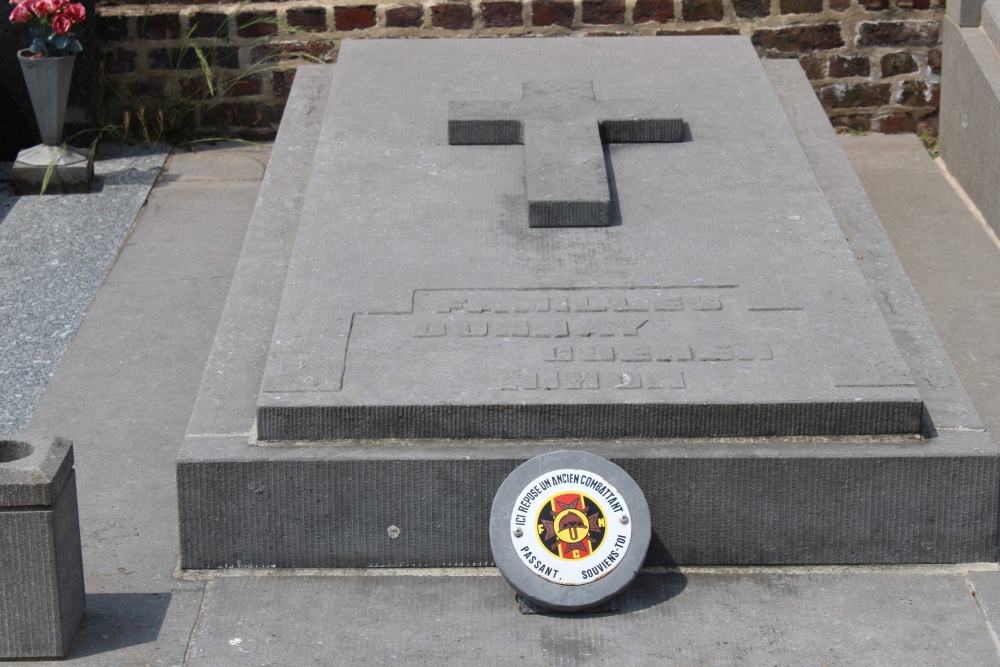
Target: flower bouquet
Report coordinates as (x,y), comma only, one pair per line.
(50,23)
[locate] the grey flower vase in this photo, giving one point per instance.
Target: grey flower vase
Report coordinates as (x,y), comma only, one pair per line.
(48,82)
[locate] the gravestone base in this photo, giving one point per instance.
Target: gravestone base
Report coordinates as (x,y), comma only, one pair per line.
(926,492)
(52,170)
(41,581)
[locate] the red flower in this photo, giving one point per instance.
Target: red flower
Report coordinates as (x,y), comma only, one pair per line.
(43,9)
(61,24)
(20,15)
(76,12)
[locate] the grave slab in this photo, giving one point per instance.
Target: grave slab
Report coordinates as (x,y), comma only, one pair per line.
(929,496)
(420,302)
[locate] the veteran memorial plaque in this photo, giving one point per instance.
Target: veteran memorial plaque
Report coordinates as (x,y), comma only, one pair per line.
(468,253)
(569,530)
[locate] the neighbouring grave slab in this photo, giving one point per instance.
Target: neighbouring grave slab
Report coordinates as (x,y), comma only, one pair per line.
(41,580)
(839,319)
(420,303)
(970,104)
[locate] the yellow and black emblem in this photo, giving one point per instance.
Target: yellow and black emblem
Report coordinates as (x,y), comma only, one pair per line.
(571,526)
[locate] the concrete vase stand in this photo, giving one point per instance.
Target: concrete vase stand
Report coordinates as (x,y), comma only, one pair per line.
(41,577)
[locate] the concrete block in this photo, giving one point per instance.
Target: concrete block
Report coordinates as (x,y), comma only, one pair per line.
(710,503)
(41,581)
(925,497)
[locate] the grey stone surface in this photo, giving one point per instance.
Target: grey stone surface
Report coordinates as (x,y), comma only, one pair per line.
(970,112)
(689,619)
(436,314)
(562,128)
(228,397)
(779,500)
(57,250)
(616,513)
(948,406)
(41,581)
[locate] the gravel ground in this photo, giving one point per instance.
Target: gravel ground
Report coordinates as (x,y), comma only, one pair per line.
(54,253)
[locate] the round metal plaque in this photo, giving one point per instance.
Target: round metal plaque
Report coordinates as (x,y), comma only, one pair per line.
(569,530)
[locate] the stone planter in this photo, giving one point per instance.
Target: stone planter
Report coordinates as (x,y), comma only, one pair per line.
(48,82)
(41,569)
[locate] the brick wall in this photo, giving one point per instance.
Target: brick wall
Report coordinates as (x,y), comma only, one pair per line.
(875,64)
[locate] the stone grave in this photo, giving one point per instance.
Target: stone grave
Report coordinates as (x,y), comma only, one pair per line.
(651,249)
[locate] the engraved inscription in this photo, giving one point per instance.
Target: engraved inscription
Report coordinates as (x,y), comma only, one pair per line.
(601,339)
(662,352)
(582,303)
(591,380)
(532,328)
(620,344)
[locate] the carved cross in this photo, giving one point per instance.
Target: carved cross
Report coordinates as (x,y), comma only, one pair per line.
(563,129)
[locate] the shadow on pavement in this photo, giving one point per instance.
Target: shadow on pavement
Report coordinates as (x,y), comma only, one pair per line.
(114,621)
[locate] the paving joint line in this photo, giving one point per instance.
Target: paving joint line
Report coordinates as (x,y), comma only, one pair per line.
(192,644)
(982,612)
(479,571)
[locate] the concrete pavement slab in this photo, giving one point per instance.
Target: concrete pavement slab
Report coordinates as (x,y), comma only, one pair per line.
(221,161)
(951,261)
(124,392)
(125,399)
(193,229)
(692,619)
